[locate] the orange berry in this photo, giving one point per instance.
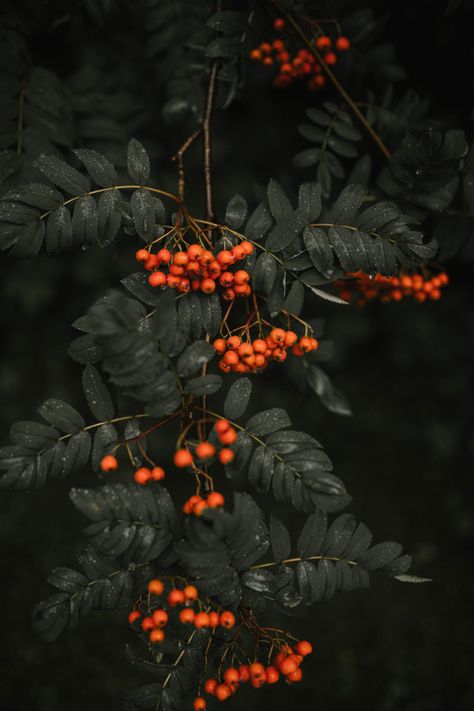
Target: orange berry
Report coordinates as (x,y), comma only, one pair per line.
(199,507)
(239,252)
(205,450)
(227,619)
(134,616)
(314,344)
(304,648)
(194,252)
(220,345)
(222,692)
(175,597)
(260,360)
(151,263)
(228,295)
(199,704)
(191,592)
(228,437)
(257,682)
(201,620)
(245,349)
(288,665)
(184,286)
(277,335)
(213,619)
(142,255)
(180,258)
(231,676)
(147,624)
(330,58)
(257,671)
(182,458)
(157,279)
(158,473)
(305,344)
(240,289)
(323,42)
(443,278)
(225,257)
(435,294)
(230,358)
(190,504)
(156,636)
(279,24)
(343,44)
(108,463)
(142,475)
(186,615)
(290,339)
(173,281)
(271,675)
(295,676)
(244,672)
(222,426)
(160,618)
(259,345)
(226,455)
(210,686)
(164,255)
(224,367)
(206,258)
(286,68)
(279,355)
(215,499)
(316,82)
(255,55)
(226,279)
(175,270)
(265,47)
(208,286)
(268,61)
(214,269)
(155,587)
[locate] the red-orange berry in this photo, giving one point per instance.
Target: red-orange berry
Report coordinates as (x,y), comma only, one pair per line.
(142,475)
(180,258)
(195,251)
(222,692)
(234,342)
(215,499)
(134,616)
(156,636)
(277,335)
(201,620)
(271,675)
(226,455)
(199,704)
(222,426)
(182,458)
(231,358)
(279,24)
(247,246)
(191,503)
(227,619)
(239,252)
(210,686)
(288,665)
(199,507)
(244,672)
(205,450)
(160,618)
(220,345)
(164,255)
(175,597)
(225,257)
(290,339)
(147,624)
(330,58)
(323,42)
(158,473)
(151,263)
(228,437)
(305,344)
(142,255)
(259,345)
(265,47)
(108,463)
(228,295)
(191,592)
(208,286)
(157,279)
(155,587)
(304,647)
(255,55)
(213,619)
(231,676)
(245,350)
(257,671)
(295,676)
(187,615)
(343,44)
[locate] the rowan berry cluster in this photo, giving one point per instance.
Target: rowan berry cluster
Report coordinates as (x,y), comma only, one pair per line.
(361,288)
(251,356)
(185,598)
(199,269)
(286,663)
(205,451)
(196,504)
(142,475)
(292,64)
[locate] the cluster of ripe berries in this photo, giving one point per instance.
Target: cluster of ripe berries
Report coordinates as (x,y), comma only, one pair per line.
(286,663)
(196,504)
(199,269)
(250,356)
(155,623)
(303,63)
(362,288)
(142,475)
(226,435)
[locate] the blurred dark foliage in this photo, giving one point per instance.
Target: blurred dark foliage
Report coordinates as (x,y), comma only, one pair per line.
(406,453)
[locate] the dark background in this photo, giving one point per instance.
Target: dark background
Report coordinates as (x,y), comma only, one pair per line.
(405,455)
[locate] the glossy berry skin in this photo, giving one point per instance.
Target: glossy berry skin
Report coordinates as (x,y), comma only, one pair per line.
(142,475)
(210,686)
(213,619)
(187,615)
(228,437)
(147,624)
(226,455)
(271,675)
(323,42)
(176,597)
(134,616)
(155,587)
(215,499)
(244,672)
(156,636)
(257,671)
(160,618)
(182,458)
(201,620)
(288,666)
(304,648)
(295,676)
(343,44)
(199,704)
(231,676)
(191,592)
(109,463)
(205,450)
(227,619)
(157,473)
(142,255)
(222,426)
(223,692)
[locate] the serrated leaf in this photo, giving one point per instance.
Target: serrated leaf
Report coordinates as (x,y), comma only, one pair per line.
(237,398)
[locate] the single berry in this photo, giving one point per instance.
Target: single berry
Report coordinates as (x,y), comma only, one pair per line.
(147,624)
(227,619)
(343,44)
(199,704)
(230,436)
(108,463)
(205,450)
(164,255)
(210,686)
(288,665)
(160,618)
(226,455)
(222,692)
(323,42)
(213,619)
(201,620)
(182,458)
(279,24)
(155,587)
(244,672)
(257,671)
(191,592)
(271,675)
(134,616)
(215,499)
(221,426)
(220,345)
(186,615)
(142,475)
(157,473)
(295,676)
(175,597)
(231,676)
(142,255)
(156,636)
